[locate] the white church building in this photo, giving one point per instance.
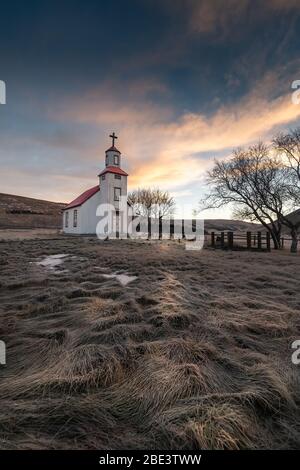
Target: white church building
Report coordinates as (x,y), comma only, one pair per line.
(80,215)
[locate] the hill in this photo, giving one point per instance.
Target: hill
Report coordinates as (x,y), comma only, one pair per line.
(26,212)
(295,216)
(219,225)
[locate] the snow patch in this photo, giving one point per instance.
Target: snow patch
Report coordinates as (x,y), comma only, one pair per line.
(124,279)
(52,261)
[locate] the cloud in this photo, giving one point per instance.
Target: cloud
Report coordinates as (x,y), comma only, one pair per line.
(159,147)
(210,17)
(183,142)
(162,150)
(114,101)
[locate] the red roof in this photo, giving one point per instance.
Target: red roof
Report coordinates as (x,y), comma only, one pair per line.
(113,148)
(83,197)
(113,169)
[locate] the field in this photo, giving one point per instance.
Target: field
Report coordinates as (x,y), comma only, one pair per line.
(195,352)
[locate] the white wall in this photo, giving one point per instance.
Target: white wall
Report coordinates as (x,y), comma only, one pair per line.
(110,158)
(86,218)
(107,188)
(71,228)
(86,213)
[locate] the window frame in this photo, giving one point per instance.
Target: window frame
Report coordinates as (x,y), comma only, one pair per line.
(115,195)
(116,159)
(67,219)
(117,177)
(75,218)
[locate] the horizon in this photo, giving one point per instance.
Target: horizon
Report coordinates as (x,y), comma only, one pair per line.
(66,203)
(181,83)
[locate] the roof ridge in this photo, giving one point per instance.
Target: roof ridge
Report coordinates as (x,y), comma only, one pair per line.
(113,169)
(113,148)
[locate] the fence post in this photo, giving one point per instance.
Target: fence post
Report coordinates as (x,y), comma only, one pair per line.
(171,228)
(182,229)
(249,237)
(268,237)
(149,228)
(282,242)
(230,240)
(213,240)
(222,240)
(259,240)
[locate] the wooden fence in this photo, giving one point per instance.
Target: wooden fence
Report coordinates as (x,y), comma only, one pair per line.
(245,240)
(259,241)
(238,240)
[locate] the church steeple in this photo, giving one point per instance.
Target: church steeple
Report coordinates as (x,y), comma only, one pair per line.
(112,180)
(114,137)
(112,154)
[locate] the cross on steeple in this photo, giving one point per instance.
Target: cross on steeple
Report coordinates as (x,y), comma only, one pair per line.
(114,137)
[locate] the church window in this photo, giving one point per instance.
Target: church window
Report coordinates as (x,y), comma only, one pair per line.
(117,177)
(117,194)
(75,218)
(103,177)
(116,159)
(67,219)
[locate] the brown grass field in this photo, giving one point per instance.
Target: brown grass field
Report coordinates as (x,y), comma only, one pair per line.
(193,354)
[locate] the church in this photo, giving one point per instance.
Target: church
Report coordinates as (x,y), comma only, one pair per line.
(80,215)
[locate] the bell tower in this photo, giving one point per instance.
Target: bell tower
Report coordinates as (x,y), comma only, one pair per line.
(112,180)
(112,154)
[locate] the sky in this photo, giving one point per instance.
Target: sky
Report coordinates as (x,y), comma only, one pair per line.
(181,82)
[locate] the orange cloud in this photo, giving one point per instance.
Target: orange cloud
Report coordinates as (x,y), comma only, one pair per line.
(162,151)
(157,149)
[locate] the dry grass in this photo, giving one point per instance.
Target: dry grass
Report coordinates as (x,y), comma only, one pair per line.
(193,354)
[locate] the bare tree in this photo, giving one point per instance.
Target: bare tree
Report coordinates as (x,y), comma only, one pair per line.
(253,183)
(287,146)
(152,203)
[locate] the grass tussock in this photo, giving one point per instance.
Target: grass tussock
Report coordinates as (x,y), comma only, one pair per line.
(194,354)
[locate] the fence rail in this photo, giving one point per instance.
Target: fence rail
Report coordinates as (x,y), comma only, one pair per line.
(248,240)
(244,240)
